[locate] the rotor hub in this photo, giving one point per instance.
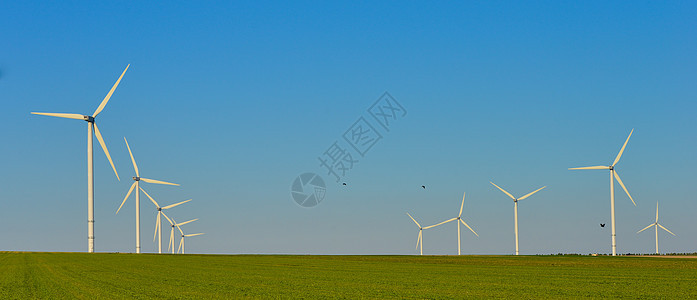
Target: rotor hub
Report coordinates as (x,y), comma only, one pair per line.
(89,119)
(612,167)
(136,178)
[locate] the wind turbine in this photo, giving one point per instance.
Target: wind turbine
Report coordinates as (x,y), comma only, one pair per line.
(158,222)
(419,240)
(91,126)
(515,218)
(457,220)
(181,242)
(613,175)
(174,224)
(656,225)
(136,185)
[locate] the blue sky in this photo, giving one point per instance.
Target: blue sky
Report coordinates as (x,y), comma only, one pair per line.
(234,100)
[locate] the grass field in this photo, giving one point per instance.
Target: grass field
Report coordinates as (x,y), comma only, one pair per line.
(108,276)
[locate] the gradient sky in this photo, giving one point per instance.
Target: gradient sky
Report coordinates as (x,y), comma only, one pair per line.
(234,100)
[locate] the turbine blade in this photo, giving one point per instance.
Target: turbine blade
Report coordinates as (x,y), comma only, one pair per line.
(591,168)
(504,191)
(173,205)
(666,229)
(171,240)
(180,229)
(184,223)
(106,151)
(412,218)
(462,205)
(617,176)
(156,181)
(106,99)
(656,211)
(61,115)
(135,167)
(647,227)
(463,222)
(157,226)
(418,240)
(168,219)
(193,234)
(151,199)
(528,195)
(617,159)
(127,194)
(441,223)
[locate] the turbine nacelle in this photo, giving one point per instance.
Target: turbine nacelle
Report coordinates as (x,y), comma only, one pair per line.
(136,178)
(89,119)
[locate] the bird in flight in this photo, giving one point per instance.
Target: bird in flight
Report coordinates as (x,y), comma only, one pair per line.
(423,186)
(344,183)
(602,224)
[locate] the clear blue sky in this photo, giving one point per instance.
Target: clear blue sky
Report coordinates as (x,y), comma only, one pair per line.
(234,100)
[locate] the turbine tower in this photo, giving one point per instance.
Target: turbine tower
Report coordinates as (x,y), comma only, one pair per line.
(656,225)
(613,176)
(158,222)
(457,220)
(515,214)
(136,184)
(92,127)
(419,240)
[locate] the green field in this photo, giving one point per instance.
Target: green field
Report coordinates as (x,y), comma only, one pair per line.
(107,276)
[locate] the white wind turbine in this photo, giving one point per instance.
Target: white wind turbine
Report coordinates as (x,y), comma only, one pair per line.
(419,240)
(656,225)
(613,175)
(515,218)
(136,185)
(181,242)
(457,220)
(158,222)
(91,126)
(174,224)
